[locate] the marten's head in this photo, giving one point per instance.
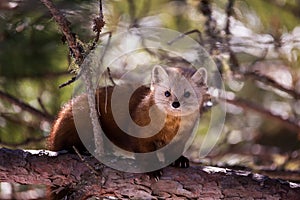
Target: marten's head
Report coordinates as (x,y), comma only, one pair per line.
(178,91)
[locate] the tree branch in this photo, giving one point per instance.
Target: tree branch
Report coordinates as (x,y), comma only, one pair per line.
(229,11)
(26,107)
(68,170)
(248,105)
(269,81)
(63,23)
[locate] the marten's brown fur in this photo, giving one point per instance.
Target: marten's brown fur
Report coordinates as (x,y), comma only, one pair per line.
(64,133)
(165,93)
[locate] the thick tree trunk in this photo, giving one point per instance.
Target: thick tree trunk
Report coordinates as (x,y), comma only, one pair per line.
(90,178)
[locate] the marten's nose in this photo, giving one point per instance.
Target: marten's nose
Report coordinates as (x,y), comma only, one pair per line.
(175,104)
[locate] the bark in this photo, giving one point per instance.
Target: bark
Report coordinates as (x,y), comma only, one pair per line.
(196,182)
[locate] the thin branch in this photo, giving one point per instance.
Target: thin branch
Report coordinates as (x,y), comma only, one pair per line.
(85,162)
(26,107)
(269,81)
(43,106)
(185,34)
(148,50)
(101,10)
(210,24)
(229,11)
(233,61)
(64,27)
(98,25)
(73,79)
(291,124)
(261,58)
(110,76)
(27,141)
(11,118)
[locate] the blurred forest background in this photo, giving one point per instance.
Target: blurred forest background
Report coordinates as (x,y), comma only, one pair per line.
(255,44)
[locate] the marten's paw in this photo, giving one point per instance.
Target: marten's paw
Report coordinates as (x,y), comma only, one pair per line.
(182,162)
(155,174)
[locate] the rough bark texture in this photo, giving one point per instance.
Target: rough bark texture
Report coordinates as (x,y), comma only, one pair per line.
(68,170)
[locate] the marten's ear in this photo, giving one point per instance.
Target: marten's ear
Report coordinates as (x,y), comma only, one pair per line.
(200,76)
(159,75)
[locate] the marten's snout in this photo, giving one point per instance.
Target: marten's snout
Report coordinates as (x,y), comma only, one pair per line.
(175,104)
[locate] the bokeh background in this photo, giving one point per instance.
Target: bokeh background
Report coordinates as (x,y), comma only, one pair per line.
(255,44)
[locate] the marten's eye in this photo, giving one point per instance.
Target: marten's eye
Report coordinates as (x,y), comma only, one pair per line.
(187,94)
(167,93)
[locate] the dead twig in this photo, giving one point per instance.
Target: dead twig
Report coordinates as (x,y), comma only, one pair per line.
(76,48)
(188,33)
(63,24)
(83,160)
(73,79)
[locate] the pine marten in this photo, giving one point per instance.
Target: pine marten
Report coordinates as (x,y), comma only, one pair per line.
(175,95)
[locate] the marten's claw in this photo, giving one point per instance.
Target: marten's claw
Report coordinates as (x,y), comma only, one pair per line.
(181,162)
(155,175)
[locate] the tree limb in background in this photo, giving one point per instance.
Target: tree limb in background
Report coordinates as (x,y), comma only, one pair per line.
(42,105)
(195,182)
(210,25)
(45,116)
(291,124)
(229,12)
(269,81)
(13,119)
(201,42)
